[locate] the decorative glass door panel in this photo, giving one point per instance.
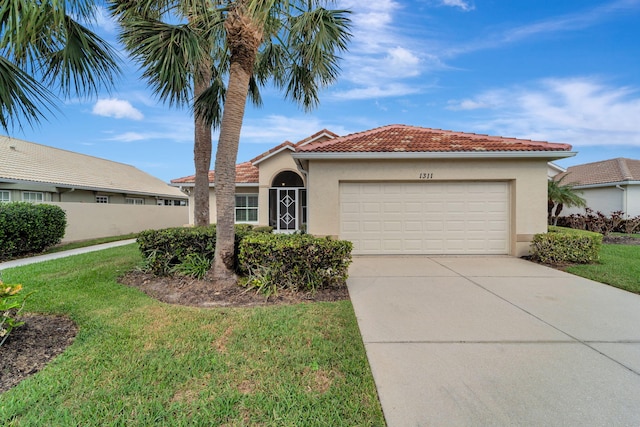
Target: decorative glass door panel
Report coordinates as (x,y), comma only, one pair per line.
(287,208)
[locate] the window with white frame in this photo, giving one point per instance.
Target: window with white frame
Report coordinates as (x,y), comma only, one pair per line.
(133,201)
(102,199)
(246,208)
(32,196)
(5,196)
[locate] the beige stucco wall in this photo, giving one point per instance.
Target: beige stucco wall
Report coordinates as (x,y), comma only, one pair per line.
(268,168)
(212,203)
(604,199)
(633,200)
(527,178)
(94,220)
(608,200)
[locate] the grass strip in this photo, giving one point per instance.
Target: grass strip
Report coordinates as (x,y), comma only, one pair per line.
(619,266)
(138,362)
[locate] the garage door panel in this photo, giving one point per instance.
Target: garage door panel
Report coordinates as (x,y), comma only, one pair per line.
(371,226)
(427,218)
(413,226)
(392,245)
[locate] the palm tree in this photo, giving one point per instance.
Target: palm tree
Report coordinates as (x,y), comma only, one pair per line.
(293,44)
(44,45)
(177,45)
(560,195)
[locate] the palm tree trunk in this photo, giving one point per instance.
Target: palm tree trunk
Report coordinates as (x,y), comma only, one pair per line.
(243,39)
(201,151)
(557,213)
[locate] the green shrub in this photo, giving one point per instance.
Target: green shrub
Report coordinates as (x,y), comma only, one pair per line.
(299,262)
(263,229)
(164,250)
(27,228)
(194,265)
(565,245)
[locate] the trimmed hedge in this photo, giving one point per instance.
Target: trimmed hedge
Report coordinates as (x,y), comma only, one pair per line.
(295,261)
(28,228)
(566,245)
(164,250)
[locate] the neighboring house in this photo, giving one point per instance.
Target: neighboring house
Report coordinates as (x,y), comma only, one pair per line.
(607,186)
(401,190)
(553,170)
(38,173)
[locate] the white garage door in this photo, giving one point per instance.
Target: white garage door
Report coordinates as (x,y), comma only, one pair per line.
(426,218)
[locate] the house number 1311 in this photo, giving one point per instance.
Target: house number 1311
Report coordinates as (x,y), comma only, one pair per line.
(425,175)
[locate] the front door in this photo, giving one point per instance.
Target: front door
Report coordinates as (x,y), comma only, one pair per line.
(287,208)
(287,202)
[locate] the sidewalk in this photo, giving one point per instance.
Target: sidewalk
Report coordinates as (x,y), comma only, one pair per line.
(63,254)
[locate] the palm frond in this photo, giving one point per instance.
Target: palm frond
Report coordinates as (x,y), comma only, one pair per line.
(314,41)
(22,97)
(83,64)
(564,194)
(209,104)
(167,55)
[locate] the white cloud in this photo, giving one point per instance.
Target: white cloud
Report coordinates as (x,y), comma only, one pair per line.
(379,91)
(103,20)
(579,111)
(174,127)
(464,5)
(557,24)
(379,57)
(404,61)
(272,129)
(116,108)
(130,137)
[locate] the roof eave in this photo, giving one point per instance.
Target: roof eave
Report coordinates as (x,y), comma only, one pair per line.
(88,188)
(256,161)
(211,185)
(604,184)
(404,155)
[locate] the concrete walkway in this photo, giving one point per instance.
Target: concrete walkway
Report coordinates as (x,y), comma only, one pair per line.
(40,258)
(496,341)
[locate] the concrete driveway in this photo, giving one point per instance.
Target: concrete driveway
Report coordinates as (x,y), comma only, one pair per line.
(496,341)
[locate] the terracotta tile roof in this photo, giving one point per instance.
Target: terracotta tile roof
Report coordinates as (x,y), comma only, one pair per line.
(603,172)
(273,150)
(246,173)
(323,135)
(24,161)
(402,138)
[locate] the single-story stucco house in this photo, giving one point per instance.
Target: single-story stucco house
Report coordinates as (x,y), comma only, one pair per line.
(401,189)
(38,173)
(607,186)
(553,170)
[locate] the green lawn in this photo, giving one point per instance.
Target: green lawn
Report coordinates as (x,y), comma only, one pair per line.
(138,362)
(619,266)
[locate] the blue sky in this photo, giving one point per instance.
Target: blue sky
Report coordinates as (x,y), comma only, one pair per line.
(565,71)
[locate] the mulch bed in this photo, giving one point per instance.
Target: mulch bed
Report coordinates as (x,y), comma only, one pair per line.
(197,293)
(31,346)
(621,240)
